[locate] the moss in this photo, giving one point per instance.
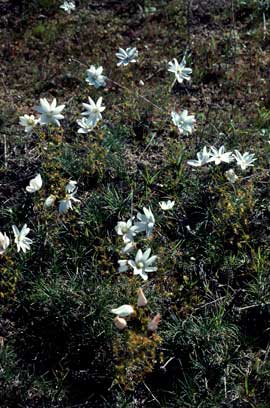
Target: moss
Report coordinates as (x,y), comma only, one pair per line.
(8,278)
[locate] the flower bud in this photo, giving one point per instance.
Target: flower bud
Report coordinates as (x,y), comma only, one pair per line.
(142,301)
(4,242)
(153,324)
(49,202)
(231,176)
(120,323)
(123,311)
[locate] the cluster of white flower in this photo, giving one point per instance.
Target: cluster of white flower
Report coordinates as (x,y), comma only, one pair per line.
(144,222)
(65,203)
(142,264)
(183,121)
(20,239)
(218,156)
(49,114)
(35,184)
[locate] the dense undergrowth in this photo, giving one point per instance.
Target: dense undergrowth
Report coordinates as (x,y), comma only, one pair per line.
(58,344)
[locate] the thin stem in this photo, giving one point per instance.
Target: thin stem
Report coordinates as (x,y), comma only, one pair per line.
(188,22)
(5,150)
(233,30)
(138,96)
(167,362)
(210,303)
(154,398)
(172,85)
(264,26)
(252,306)
(147,146)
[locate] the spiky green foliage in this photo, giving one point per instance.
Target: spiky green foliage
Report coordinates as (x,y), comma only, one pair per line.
(58,344)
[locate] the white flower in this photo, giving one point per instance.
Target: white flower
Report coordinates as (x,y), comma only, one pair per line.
(4,242)
(166,205)
(179,70)
(126,56)
(50,113)
(93,110)
(68,6)
(95,77)
(231,176)
(86,125)
(23,243)
(49,202)
(66,203)
(142,301)
(146,221)
(127,230)
(123,311)
(123,265)
(244,160)
(29,122)
(71,186)
(129,247)
(219,155)
(183,121)
(35,184)
(142,263)
(202,158)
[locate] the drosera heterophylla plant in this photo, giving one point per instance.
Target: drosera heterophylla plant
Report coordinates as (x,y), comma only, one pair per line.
(50,113)
(143,263)
(138,322)
(136,259)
